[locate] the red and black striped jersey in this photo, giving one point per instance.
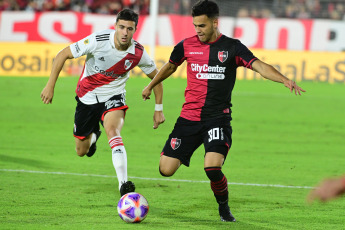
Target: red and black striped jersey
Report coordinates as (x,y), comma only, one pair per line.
(211,75)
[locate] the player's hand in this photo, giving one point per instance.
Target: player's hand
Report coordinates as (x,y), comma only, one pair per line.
(293,87)
(327,189)
(146,93)
(158,118)
(47,95)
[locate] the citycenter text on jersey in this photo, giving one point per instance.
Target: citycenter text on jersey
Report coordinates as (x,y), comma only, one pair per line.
(210,72)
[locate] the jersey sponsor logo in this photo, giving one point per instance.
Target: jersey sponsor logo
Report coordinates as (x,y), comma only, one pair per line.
(128,64)
(175,143)
(108,73)
(222,56)
(207,68)
(210,72)
(210,76)
(200,53)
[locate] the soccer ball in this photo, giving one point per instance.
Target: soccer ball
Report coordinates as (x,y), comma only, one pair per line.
(133,207)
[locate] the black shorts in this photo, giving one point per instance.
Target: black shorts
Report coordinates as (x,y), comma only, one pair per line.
(87,117)
(188,135)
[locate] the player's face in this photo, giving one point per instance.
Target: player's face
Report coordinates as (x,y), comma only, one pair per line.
(124,33)
(205,28)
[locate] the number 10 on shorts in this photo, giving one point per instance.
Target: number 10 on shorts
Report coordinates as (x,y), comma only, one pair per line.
(215,134)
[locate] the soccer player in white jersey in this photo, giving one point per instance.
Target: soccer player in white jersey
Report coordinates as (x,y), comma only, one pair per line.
(110,55)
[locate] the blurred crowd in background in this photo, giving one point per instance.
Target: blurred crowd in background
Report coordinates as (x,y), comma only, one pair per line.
(302,9)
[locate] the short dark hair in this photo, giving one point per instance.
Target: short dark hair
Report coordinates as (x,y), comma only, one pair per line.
(128,15)
(205,7)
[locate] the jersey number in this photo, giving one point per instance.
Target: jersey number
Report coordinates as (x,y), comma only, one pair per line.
(214,134)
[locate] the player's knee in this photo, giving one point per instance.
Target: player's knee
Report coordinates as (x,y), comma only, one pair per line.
(165,172)
(214,173)
(80,151)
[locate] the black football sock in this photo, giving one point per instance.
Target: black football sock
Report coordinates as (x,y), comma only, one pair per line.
(219,184)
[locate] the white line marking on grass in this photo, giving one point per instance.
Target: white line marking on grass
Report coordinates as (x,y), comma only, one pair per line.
(158,179)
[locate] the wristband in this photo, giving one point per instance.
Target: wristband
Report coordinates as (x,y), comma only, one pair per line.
(159,107)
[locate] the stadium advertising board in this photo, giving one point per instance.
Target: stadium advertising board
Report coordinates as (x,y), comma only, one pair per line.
(273,33)
(35,59)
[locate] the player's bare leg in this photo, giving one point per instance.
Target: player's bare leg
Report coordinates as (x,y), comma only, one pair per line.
(82,146)
(219,184)
(168,165)
(113,123)
(87,146)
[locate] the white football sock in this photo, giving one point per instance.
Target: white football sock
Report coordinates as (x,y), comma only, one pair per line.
(93,138)
(119,157)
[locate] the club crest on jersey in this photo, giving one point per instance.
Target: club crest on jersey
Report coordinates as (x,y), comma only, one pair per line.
(175,143)
(222,56)
(128,64)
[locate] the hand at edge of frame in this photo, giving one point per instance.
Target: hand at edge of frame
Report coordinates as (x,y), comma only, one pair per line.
(293,87)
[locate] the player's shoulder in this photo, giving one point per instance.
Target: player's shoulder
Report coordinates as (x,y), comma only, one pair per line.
(229,39)
(138,45)
(191,39)
(232,42)
(188,41)
(103,35)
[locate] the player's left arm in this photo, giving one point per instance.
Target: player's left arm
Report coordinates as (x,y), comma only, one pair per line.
(269,72)
(158,117)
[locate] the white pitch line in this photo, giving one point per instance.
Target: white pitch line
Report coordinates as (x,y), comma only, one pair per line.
(159,179)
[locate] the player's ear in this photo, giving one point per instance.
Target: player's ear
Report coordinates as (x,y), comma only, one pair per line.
(215,22)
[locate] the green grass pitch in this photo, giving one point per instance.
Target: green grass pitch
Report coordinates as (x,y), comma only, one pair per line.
(278,139)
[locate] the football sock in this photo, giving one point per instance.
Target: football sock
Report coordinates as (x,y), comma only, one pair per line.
(219,184)
(93,138)
(119,157)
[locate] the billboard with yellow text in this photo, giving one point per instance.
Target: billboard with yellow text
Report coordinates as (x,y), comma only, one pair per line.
(35,59)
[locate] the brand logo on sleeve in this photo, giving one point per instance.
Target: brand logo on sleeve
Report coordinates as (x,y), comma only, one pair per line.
(222,56)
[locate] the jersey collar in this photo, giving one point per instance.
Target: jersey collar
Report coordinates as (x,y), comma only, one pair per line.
(131,48)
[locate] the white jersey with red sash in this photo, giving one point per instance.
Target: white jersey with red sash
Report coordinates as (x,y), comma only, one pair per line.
(106,69)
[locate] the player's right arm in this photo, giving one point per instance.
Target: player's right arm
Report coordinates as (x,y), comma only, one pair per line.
(163,73)
(47,93)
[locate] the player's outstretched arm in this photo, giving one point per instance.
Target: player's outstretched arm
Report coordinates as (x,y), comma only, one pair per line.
(158,116)
(163,73)
(328,189)
(47,93)
(269,72)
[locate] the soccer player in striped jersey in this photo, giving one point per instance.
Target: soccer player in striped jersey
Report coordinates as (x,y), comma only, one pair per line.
(212,59)
(110,55)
